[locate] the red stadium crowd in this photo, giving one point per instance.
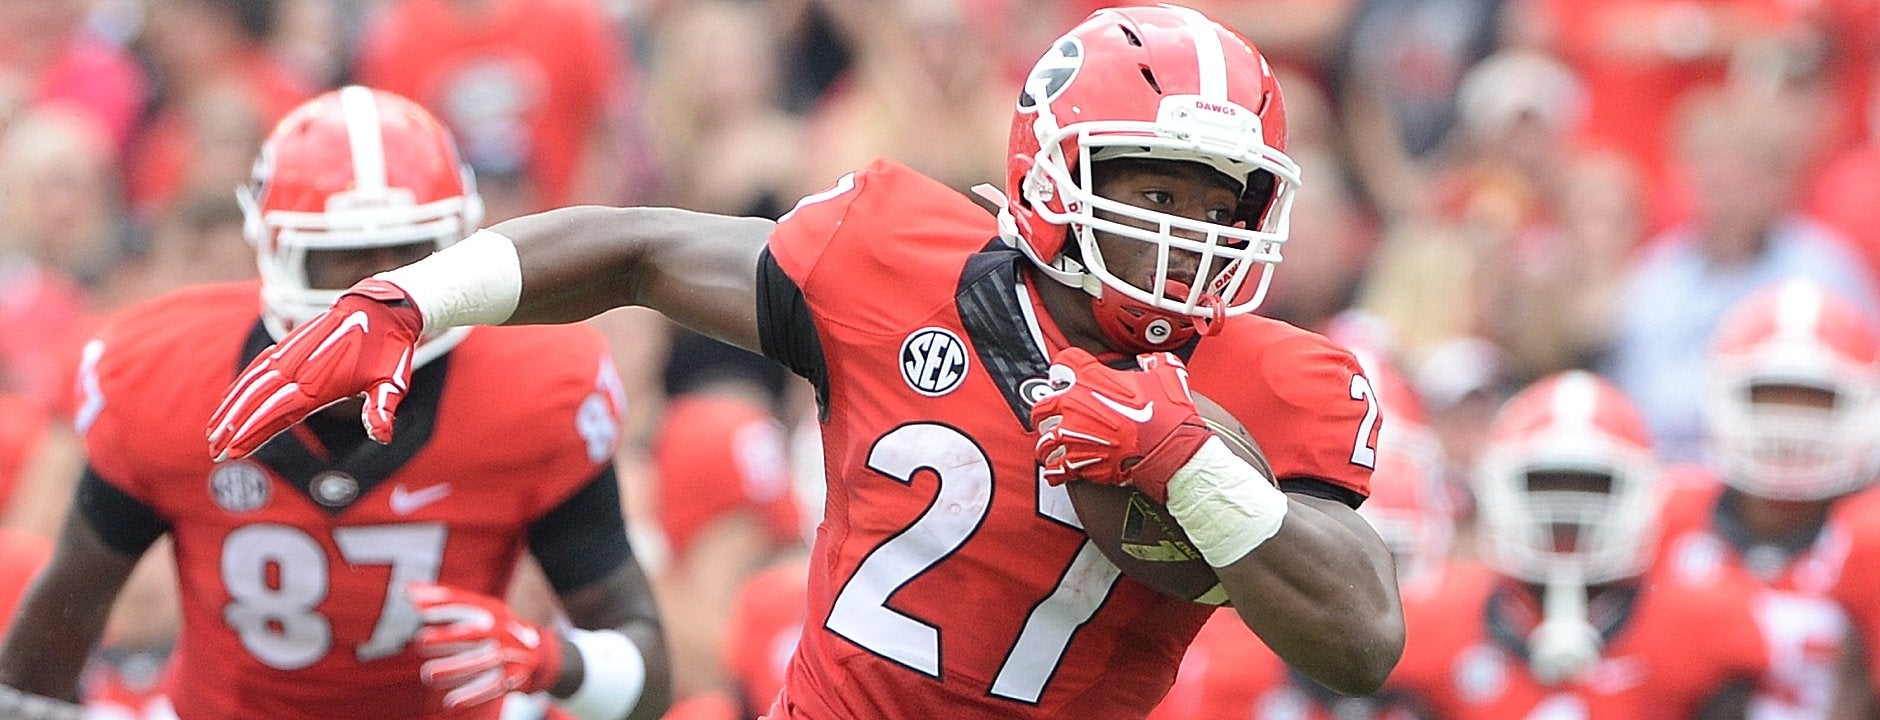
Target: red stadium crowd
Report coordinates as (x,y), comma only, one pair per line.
(1613,266)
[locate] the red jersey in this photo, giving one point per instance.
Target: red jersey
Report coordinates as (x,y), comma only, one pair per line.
(1800,619)
(1669,648)
(947,578)
(760,636)
(1858,590)
(22,430)
(716,456)
(43,323)
(291,561)
(520,83)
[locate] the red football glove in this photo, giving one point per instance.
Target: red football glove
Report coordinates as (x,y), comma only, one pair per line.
(478,651)
(363,345)
(1117,427)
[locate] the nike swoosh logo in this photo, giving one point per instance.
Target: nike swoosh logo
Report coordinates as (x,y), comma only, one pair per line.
(405,502)
(356,319)
(1138,415)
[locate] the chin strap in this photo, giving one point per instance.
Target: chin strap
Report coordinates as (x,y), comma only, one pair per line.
(1216,318)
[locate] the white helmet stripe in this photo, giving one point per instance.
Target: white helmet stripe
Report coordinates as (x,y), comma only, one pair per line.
(362,133)
(1574,401)
(1798,312)
(1211,57)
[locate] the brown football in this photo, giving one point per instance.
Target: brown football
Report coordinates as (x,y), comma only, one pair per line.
(1138,534)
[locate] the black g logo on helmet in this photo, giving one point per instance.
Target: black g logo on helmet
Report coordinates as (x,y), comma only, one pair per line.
(1052,74)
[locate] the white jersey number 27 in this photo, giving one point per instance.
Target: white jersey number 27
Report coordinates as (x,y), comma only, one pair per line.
(861,611)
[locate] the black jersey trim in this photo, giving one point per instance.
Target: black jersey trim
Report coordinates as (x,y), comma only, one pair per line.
(584,538)
(367,462)
(125,523)
(987,301)
(786,331)
(1322,489)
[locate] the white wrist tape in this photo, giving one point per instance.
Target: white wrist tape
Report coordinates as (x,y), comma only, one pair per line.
(613,675)
(1224,504)
(477,281)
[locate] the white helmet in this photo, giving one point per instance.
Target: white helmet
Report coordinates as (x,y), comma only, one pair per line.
(1795,334)
(352,169)
(1576,425)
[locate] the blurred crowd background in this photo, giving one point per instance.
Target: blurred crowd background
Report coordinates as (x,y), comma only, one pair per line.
(1495,190)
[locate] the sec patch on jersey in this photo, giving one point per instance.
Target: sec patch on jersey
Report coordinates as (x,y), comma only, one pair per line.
(1139,536)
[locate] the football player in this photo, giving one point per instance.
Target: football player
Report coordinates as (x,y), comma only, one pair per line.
(968,365)
(1564,619)
(1793,402)
(323,575)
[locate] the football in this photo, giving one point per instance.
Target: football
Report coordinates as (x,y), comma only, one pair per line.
(1141,538)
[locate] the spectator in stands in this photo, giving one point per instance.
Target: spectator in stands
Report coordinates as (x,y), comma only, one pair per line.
(924,89)
(46,46)
(535,92)
(1746,234)
(219,91)
(729,147)
(61,226)
(1640,60)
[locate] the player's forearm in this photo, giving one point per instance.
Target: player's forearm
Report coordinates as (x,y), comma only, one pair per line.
(45,650)
(573,263)
(1308,575)
(551,267)
(1319,597)
(623,663)
(613,674)
(62,616)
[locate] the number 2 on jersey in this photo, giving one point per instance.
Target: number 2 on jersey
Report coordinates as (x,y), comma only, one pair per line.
(861,613)
(276,575)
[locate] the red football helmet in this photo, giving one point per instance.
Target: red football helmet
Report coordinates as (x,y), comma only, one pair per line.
(1160,82)
(352,169)
(1597,529)
(1795,334)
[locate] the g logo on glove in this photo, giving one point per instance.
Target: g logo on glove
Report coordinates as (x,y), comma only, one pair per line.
(1117,427)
